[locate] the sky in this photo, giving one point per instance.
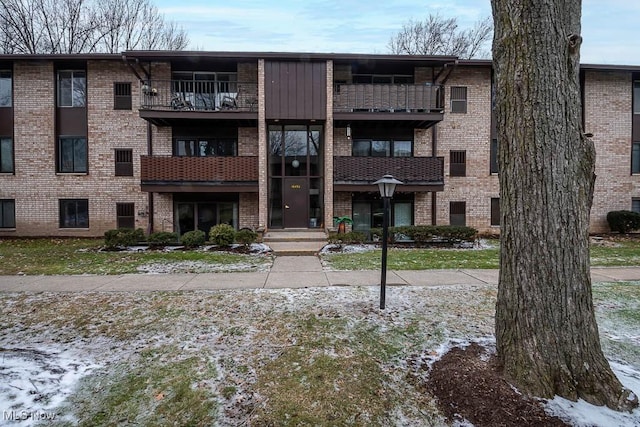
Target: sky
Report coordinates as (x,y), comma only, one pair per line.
(610,29)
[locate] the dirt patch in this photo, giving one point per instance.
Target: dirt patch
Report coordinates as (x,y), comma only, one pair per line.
(468,385)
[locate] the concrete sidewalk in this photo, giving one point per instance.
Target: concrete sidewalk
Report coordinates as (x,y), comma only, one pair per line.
(287,272)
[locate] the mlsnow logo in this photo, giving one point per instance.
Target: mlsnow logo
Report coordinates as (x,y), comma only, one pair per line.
(28,415)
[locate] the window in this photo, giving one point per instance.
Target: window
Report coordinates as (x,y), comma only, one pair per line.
(125,217)
(5,88)
(368,211)
(74,213)
(636,97)
(457,213)
(124,162)
(635,158)
(458,99)
(205,147)
(495,211)
(635,204)
(458,163)
(493,167)
(72,88)
(7,213)
(6,155)
(382,78)
(204,215)
(382,148)
(122,96)
(72,155)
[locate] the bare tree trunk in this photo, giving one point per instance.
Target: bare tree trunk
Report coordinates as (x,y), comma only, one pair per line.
(546,332)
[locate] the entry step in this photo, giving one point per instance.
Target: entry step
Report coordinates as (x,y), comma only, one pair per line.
(304,235)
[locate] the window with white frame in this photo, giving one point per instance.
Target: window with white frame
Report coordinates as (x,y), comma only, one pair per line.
(458,99)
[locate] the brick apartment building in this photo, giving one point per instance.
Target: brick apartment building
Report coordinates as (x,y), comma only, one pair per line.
(174,141)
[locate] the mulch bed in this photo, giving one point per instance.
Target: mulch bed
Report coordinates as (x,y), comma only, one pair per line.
(468,385)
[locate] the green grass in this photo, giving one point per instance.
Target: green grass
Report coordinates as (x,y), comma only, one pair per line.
(151,391)
(625,253)
(416,259)
(270,357)
(82,256)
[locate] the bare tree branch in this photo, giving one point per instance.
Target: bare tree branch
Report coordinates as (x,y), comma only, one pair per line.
(442,36)
(85,26)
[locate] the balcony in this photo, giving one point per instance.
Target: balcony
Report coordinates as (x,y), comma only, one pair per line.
(165,101)
(199,174)
(417,173)
(420,104)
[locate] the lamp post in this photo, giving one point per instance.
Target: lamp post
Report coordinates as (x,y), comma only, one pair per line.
(386,185)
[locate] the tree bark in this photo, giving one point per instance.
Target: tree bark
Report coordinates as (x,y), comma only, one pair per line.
(546,332)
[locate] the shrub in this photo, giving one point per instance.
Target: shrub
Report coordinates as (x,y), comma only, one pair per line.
(161,238)
(193,239)
(352,237)
(423,234)
(246,236)
(623,221)
(222,234)
(122,237)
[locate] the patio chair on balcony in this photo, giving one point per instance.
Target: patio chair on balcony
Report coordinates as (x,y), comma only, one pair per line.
(229,101)
(179,103)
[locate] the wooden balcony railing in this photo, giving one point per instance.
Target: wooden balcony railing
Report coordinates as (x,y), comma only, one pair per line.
(410,170)
(201,95)
(388,98)
(198,169)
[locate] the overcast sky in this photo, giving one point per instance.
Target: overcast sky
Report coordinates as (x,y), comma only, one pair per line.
(609,28)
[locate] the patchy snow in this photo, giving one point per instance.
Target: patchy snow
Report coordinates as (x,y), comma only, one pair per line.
(201,267)
(347,249)
(36,380)
(238,331)
(583,414)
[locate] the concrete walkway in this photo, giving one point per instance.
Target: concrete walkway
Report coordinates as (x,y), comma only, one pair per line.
(287,272)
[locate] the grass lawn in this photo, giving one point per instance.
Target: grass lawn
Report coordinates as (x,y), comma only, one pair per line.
(280,357)
(621,252)
(81,256)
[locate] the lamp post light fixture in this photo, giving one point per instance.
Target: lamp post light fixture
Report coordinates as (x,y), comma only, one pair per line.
(386,185)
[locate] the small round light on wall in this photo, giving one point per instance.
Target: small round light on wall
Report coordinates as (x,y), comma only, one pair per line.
(295,163)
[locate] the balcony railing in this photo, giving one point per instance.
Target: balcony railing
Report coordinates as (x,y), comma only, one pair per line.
(388,98)
(200,95)
(410,170)
(198,169)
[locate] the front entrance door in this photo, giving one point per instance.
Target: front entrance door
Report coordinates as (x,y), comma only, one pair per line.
(296,203)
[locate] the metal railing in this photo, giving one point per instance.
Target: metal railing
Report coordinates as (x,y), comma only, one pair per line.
(388,98)
(198,95)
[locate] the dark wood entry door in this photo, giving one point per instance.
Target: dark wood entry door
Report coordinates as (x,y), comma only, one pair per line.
(295,198)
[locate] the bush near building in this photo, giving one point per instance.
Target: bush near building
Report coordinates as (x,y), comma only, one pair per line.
(623,221)
(428,234)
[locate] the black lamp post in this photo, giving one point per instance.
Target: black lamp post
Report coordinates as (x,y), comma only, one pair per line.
(387,185)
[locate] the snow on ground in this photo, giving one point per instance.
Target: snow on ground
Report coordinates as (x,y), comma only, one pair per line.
(583,414)
(34,381)
(42,362)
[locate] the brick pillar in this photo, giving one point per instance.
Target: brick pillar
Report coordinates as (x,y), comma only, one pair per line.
(263,187)
(328,152)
